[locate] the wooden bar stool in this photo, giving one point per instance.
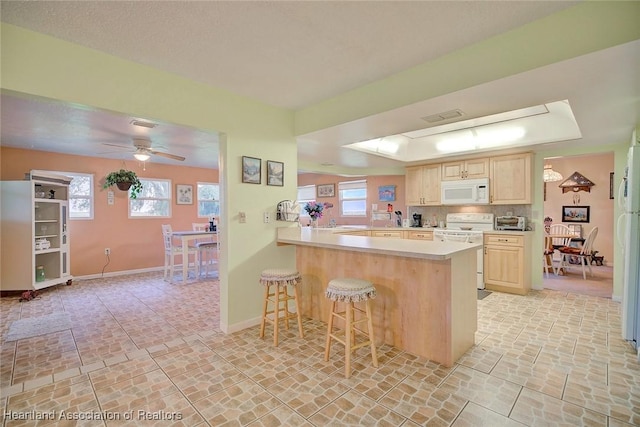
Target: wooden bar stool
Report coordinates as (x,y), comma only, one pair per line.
(351,291)
(276,283)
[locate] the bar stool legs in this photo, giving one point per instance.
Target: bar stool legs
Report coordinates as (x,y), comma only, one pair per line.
(276,291)
(350,291)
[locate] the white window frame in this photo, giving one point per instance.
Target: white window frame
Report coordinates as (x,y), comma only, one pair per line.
(169,199)
(352,185)
(304,192)
(90,197)
(198,200)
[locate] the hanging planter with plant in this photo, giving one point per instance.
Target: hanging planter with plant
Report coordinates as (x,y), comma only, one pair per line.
(124,180)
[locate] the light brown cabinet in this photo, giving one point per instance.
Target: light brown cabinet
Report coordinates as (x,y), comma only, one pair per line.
(465,169)
(422,185)
(419,235)
(510,180)
(507,263)
(394,234)
(356,233)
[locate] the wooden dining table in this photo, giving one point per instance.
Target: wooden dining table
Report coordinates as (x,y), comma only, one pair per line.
(185,237)
(550,247)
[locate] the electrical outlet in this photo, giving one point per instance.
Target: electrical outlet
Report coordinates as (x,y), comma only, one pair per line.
(243,217)
(107,251)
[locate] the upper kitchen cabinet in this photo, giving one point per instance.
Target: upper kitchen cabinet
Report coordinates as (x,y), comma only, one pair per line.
(465,169)
(422,185)
(510,179)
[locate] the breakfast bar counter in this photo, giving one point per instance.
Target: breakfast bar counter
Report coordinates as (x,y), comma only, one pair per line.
(426,300)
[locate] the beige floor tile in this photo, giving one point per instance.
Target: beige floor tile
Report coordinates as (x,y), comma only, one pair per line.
(477,416)
(239,404)
(423,403)
(485,390)
(354,409)
(547,358)
(538,409)
(138,391)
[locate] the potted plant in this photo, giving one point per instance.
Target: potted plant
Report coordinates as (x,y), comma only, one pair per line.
(124,179)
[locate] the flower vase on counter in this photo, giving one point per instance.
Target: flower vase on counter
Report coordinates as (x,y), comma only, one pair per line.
(315,212)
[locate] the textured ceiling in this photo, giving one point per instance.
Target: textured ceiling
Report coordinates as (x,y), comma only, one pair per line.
(294,54)
(284,53)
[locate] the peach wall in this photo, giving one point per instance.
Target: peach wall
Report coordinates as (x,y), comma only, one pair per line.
(135,243)
(373,182)
(595,167)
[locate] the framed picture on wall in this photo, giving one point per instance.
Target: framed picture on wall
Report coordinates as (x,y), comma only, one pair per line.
(387,193)
(326,190)
(184,194)
(275,173)
(575,213)
(251,170)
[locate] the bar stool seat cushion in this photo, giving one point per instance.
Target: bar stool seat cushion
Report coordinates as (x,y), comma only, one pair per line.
(350,290)
(280,277)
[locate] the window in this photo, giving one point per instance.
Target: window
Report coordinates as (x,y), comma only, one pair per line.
(80,194)
(154,200)
(306,194)
(208,199)
(353,198)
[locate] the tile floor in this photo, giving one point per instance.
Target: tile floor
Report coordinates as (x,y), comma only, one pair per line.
(144,352)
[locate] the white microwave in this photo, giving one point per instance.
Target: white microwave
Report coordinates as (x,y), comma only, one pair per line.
(465,192)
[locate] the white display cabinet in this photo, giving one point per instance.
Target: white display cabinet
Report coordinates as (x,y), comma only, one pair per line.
(35,239)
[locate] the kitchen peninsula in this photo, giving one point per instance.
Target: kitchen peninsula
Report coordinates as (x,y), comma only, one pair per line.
(426,300)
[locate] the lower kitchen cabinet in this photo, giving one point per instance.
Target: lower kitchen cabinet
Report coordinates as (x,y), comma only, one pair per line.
(419,235)
(507,263)
(394,234)
(356,233)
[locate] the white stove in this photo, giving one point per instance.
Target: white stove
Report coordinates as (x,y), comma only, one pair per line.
(469,228)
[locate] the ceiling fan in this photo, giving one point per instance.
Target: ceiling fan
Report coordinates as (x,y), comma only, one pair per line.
(143,150)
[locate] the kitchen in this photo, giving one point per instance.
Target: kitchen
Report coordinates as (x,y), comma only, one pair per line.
(89,78)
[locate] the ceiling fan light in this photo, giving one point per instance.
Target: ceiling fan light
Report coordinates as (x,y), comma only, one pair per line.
(549,175)
(141,156)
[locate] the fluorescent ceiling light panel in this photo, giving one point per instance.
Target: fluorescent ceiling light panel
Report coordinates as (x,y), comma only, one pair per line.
(539,124)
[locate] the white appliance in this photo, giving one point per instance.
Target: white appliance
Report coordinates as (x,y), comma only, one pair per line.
(465,192)
(467,227)
(629,238)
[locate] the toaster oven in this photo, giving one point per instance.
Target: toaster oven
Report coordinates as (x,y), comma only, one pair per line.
(511,223)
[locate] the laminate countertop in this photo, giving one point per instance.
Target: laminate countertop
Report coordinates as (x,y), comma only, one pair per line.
(331,238)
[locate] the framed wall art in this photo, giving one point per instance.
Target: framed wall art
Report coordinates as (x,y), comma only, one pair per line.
(251,170)
(387,193)
(326,190)
(275,173)
(575,213)
(184,194)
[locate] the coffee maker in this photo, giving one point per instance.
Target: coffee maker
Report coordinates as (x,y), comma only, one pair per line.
(417,220)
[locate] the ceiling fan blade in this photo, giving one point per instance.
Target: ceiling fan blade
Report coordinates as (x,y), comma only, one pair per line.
(167,155)
(116,145)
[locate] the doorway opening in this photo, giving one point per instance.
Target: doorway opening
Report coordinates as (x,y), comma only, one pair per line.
(596,207)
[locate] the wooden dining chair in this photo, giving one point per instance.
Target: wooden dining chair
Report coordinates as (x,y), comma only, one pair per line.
(173,250)
(583,255)
(552,256)
(207,248)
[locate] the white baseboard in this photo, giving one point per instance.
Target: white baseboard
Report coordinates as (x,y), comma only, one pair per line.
(249,323)
(117,273)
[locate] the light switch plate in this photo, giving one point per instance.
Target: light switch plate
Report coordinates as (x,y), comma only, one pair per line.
(267,217)
(242,217)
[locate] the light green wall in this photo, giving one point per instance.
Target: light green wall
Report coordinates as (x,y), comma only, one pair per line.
(585,28)
(35,64)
